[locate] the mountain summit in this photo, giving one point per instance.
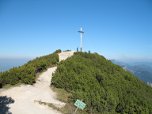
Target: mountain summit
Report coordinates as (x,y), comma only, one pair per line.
(105,87)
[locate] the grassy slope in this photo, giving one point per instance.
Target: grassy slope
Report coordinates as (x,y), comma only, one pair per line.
(27,73)
(103,86)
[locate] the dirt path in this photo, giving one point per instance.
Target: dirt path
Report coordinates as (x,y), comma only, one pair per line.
(25,96)
(65,55)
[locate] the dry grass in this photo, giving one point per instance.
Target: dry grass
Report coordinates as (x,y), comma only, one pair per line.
(67,109)
(50,105)
(62,95)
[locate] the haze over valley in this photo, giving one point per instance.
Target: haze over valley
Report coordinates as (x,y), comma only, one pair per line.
(8,63)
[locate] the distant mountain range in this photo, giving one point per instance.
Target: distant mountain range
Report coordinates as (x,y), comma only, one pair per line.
(7,63)
(143,70)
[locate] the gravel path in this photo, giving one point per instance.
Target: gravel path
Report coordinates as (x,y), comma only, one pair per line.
(65,55)
(25,96)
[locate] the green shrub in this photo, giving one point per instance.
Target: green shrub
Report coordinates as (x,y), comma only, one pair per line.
(102,85)
(27,73)
(58,51)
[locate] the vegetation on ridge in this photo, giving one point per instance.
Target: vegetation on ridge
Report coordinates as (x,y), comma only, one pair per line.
(27,73)
(105,87)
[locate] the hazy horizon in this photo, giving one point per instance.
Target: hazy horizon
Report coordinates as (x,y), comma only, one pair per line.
(9,62)
(122,59)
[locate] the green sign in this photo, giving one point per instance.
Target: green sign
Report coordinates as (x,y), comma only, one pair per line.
(79,104)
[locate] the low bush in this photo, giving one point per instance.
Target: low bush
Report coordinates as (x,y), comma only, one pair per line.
(27,73)
(105,87)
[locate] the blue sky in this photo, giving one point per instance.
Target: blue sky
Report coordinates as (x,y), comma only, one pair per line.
(117,29)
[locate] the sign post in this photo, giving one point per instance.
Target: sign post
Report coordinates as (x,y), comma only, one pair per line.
(80,105)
